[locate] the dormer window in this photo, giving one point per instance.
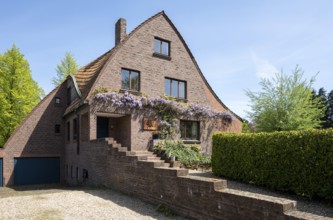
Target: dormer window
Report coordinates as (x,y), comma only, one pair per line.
(130,80)
(162,47)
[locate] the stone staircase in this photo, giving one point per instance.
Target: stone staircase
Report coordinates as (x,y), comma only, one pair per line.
(142,156)
(228,200)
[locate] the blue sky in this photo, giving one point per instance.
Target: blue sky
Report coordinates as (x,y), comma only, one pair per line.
(234,42)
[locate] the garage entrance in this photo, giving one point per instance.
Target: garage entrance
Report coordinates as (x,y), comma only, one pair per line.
(40,170)
(1,172)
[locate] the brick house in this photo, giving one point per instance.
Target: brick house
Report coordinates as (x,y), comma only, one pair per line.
(57,136)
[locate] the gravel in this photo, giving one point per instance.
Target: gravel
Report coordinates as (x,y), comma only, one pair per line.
(315,207)
(77,203)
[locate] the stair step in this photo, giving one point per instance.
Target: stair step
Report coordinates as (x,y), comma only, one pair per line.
(166,165)
(122,149)
(140,153)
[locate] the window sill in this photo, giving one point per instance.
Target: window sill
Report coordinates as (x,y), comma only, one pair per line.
(133,92)
(191,142)
(176,99)
(159,55)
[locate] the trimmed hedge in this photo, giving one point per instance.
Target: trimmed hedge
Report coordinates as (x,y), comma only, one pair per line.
(297,161)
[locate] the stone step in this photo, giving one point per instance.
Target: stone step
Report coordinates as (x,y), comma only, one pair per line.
(166,165)
(147,153)
(122,149)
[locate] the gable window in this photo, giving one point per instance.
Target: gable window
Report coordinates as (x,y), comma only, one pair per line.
(162,47)
(175,88)
(74,129)
(190,130)
(57,100)
(57,129)
(69,95)
(130,80)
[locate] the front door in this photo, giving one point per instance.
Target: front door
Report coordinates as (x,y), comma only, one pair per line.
(102,127)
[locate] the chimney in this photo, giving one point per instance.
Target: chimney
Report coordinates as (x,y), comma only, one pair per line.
(120,30)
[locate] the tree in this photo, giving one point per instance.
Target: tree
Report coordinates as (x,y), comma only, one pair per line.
(329,112)
(66,67)
(327,101)
(19,93)
(286,103)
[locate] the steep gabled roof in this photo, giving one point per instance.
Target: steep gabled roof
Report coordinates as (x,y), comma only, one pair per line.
(87,76)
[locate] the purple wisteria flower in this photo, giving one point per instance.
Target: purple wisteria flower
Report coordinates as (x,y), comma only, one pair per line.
(159,104)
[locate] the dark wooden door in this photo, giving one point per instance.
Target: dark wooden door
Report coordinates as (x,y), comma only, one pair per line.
(102,127)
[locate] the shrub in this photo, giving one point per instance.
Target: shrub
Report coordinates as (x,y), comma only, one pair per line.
(297,161)
(188,155)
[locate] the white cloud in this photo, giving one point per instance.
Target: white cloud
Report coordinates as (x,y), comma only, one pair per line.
(264,69)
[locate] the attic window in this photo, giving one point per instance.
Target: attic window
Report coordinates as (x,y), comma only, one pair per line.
(57,100)
(161,47)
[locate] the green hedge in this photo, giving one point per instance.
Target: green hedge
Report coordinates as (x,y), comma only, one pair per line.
(297,161)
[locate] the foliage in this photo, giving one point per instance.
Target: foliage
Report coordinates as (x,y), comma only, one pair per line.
(166,111)
(327,102)
(246,127)
(67,66)
(19,93)
(188,155)
(100,90)
(286,103)
(297,161)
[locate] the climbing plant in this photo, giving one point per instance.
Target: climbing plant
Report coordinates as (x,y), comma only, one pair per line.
(164,110)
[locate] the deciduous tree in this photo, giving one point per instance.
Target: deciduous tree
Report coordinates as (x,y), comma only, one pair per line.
(19,93)
(67,66)
(285,103)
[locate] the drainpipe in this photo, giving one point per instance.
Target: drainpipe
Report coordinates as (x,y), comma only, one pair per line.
(78,129)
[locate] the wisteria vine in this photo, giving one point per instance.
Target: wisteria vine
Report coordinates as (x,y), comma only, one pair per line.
(166,110)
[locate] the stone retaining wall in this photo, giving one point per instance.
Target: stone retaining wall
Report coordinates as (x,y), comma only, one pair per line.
(196,197)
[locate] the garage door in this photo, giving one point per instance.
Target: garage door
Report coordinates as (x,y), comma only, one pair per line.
(28,171)
(1,172)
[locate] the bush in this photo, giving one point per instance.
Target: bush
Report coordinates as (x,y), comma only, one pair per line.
(297,161)
(188,155)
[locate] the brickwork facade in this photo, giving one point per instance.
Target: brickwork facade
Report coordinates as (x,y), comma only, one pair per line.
(36,136)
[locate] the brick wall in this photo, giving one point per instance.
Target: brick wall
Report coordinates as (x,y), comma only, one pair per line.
(196,197)
(36,137)
(136,53)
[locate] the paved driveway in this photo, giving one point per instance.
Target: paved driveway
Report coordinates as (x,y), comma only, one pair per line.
(73,203)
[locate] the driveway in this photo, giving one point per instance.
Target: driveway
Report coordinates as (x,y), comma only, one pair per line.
(58,202)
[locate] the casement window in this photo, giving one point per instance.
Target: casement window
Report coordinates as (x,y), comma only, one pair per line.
(189,130)
(74,129)
(175,88)
(69,95)
(162,46)
(130,80)
(68,131)
(57,129)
